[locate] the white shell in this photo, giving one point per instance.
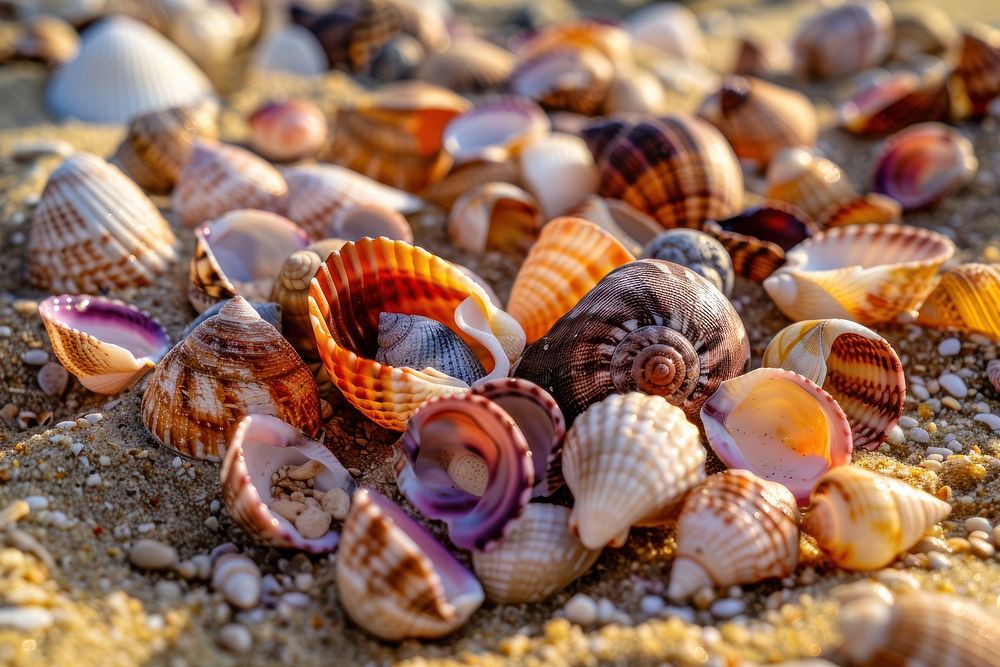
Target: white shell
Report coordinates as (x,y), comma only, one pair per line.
(559,170)
(671,28)
(291,49)
(238,579)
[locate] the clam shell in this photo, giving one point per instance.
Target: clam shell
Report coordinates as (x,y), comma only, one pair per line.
(287,131)
(863,521)
(734,528)
(923,29)
(697,251)
(469,65)
(495,130)
(291,49)
(757,238)
(978,70)
(395,580)
(353,32)
(356,221)
(842,40)
(853,364)
(420,342)
(232,365)
(778,425)
(890,103)
(564,78)
(628,459)
(495,216)
(108,345)
(631,227)
(966,297)
(94,230)
(559,170)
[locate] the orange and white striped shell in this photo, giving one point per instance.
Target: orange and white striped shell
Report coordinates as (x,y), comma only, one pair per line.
(966,297)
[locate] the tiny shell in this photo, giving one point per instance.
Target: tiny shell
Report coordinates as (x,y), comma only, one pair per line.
(894,101)
(564,79)
(758,237)
(495,130)
(966,297)
(495,216)
(286,131)
(470,65)
(843,39)
(238,579)
(559,170)
(697,251)
(420,342)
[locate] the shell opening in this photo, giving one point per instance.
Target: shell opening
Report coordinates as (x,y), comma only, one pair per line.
(803,430)
(111,323)
(441,465)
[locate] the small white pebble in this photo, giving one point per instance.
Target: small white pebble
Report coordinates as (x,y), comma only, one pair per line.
(581,609)
(104,460)
(313,523)
(186,570)
(235,638)
(6,332)
(938,561)
(978,523)
(67,425)
(94,480)
(203,565)
(919,391)
(212,523)
(896,435)
(897,580)
(651,604)
(605,611)
(152,555)
(58,519)
(907,422)
(949,347)
(943,452)
(94,417)
(35,357)
(954,385)
(936,457)
(932,465)
(37,503)
(727,607)
(145,527)
(920,435)
(304,582)
(214,506)
(981,548)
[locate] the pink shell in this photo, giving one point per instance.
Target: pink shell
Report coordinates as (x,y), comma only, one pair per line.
(286,131)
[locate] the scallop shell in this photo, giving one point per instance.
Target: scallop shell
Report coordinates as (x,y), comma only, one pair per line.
(633,228)
(108,345)
(889,103)
(287,131)
(539,557)
(628,459)
(259,447)
(356,221)
(978,69)
(352,32)
(863,521)
(420,342)
(469,65)
(291,49)
(780,426)
(966,297)
(94,230)
(697,251)
(569,258)
(864,273)
(757,238)
(564,79)
(923,29)
(495,216)
(842,40)
(853,364)
(232,365)
(495,130)
(734,528)
(559,170)
(124,69)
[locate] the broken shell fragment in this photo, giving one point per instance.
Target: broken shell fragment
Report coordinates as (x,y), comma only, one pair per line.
(495,216)
(758,238)
(966,297)
(286,131)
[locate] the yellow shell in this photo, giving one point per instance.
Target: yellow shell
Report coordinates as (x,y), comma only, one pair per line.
(967,298)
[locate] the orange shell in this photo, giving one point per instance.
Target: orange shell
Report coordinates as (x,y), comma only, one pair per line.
(967,298)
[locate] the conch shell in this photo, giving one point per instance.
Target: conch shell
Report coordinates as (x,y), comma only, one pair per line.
(967,298)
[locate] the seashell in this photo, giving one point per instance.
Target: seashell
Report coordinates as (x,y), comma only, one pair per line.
(966,297)
(978,70)
(923,29)
(864,273)
(269,311)
(757,238)
(559,171)
(635,90)
(219,178)
(863,521)
(697,251)
(778,425)
(317,192)
(159,143)
(603,37)
(924,164)
(536,559)
(238,579)
(124,69)
(761,56)
(210,33)
(495,216)
(291,49)
(894,101)
(648,326)
(241,253)
(469,65)
(993,373)
(356,221)
(478,279)
(634,437)
(853,364)
(344,306)
(734,528)
(569,258)
(566,78)
(395,580)
(260,446)
(94,230)
(352,32)
(759,119)
(287,131)
(233,364)
(465,177)
(631,227)
(842,40)
(108,345)
(670,28)
(49,39)
(495,130)
(420,342)
(397,59)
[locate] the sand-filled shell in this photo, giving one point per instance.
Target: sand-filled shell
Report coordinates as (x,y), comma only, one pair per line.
(539,557)
(395,580)
(628,459)
(286,131)
(108,345)
(420,342)
(633,228)
(734,528)
(758,237)
(865,273)
(232,365)
(495,216)
(780,426)
(842,40)
(351,33)
(259,447)
(371,276)
(889,103)
(568,78)
(94,229)
(648,326)
(863,521)
(978,70)
(123,69)
(495,130)
(923,164)
(697,251)
(853,364)
(559,171)
(966,297)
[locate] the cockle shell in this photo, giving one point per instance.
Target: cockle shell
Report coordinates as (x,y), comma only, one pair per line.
(853,364)
(539,557)
(864,273)
(966,297)
(778,425)
(633,228)
(495,130)
(352,32)
(395,580)
(978,69)
(356,221)
(758,237)
(495,216)
(648,326)
(568,78)
(923,29)
(94,229)
(232,365)
(108,345)
(420,342)
(559,170)
(628,459)
(894,101)
(286,131)
(863,521)
(469,65)
(844,39)
(697,251)
(259,447)
(734,528)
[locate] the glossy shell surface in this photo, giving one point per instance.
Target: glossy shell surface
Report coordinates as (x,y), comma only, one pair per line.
(966,297)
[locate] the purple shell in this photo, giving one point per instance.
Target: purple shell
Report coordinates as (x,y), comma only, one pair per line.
(109,321)
(774,222)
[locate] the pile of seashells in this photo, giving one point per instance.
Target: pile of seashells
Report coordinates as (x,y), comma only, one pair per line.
(618,367)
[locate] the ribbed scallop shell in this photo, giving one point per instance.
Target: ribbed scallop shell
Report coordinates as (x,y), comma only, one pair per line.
(470,65)
(94,230)
(559,170)
(966,297)
(395,580)
(564,78)
(495,130)
(978,69)
(569,258)
(633,228)
(758,237)
(697,251)
(286,131)
(853,364)
(628,459)
(844,39)
(495,216)
(539,557)
(734,528)
(863,521)
(232,365)
(895,101)
(864,273)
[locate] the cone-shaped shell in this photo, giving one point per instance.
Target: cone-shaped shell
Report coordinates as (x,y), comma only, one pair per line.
(95,230)
(495,216)
(628,459)
(842,40)
(978,69)
(758,237)
(108,345)
(470,65)
(853,364)
(232,365)
(967,298)
(863,521)
(559,170)
(734,528)
(395,580)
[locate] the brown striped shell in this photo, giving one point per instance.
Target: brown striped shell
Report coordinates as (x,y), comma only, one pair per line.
(978,70)
(892,102)
(966,297)
(354,32)
(842,40)
(567,78)
(495,216)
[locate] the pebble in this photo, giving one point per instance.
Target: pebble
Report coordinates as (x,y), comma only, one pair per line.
(152,555)
(581,609)
(186,569)
(727,608)
(35,357)
(93,480)
(212,523)
(313,523)
(932,465)
(920,435)
(991,421)
(954,385)
(943,452)
(235,638)
(336,502)
(203,565)
(919,391)
(27,150)
(974,523)
(6,332)
(651,604)
(37,503)
(25,619)
(938,561)
(94,418)
(67,425)
(949,347)
(907,422)
(896,435)
(897,580)
(53,379)
(981,548)
(951,403)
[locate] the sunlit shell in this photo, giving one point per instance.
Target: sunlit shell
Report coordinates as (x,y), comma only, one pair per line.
(356,221)
(397,59)
(269,311)
(966,297)
(978,69)
(670,28)
(419,342)
(604,37)
(495,130)
(758,237)
(464,177)
(923,29)
(566,78)
(843,39)
(470,65)
(559,171)
(292,49)
(286,131)
(495,216)
(106,344)
(863,521)
(635,90)
(210,33)
(894,101)
(352,32)
(760,55)
(697,251)
(48,39)
(853,364)
(633,228)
